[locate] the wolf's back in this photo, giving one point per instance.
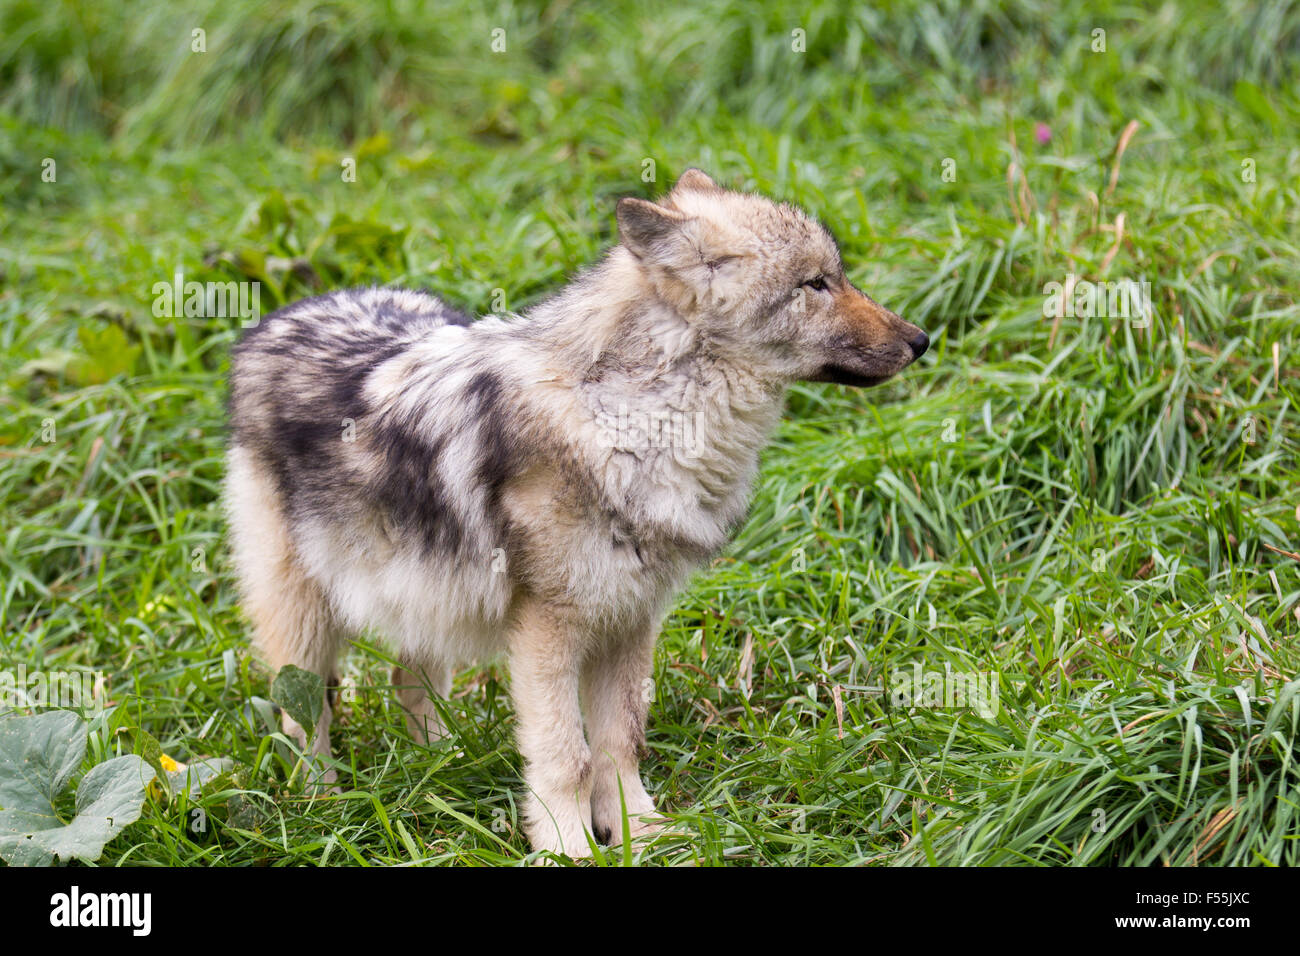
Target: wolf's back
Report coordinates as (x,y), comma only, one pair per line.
(314,392)
(316,353)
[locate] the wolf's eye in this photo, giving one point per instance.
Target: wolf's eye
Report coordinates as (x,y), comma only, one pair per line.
(817,285)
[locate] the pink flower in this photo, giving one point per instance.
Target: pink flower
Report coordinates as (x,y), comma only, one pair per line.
(1042,133)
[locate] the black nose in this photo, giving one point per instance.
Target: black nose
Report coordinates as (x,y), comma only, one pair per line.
(919,344)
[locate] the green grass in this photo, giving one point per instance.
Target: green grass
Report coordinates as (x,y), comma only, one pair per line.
(1071,506)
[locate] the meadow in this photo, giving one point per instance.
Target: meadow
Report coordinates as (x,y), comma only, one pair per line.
(1083,506)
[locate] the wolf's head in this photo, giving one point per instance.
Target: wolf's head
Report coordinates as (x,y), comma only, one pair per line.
(764,283)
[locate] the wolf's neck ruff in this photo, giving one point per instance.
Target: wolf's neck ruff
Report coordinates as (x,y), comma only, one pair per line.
(680,423)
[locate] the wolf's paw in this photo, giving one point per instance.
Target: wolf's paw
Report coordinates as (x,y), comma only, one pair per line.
(563,830)
(641,830)
(607,811)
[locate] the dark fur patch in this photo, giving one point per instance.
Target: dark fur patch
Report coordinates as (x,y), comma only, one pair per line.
(497,441)
(332,691)
(408,488)
(299,377)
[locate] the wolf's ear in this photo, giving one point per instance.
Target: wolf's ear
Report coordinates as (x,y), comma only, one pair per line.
(648,231)
(694,179)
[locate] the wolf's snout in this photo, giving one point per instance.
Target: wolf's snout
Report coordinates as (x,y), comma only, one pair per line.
(918,343)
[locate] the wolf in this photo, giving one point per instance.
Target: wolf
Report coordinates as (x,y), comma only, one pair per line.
(469,489)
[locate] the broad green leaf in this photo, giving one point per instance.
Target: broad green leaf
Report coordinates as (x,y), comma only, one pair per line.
(109,799)
(301,693)
(38,756)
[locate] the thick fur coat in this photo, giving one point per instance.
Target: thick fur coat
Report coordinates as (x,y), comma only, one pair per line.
(537,485)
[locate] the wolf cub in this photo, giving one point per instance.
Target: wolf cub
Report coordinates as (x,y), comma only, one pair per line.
(537,485)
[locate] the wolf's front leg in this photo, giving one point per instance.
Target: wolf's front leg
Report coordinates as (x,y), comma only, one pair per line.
(617,692)
(545,655)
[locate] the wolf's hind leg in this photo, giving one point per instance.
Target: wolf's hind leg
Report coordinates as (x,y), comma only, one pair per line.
(414,678)
(299,630)
(291,617)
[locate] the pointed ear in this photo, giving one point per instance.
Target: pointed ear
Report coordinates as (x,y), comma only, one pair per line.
(648,231)
(695,179)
